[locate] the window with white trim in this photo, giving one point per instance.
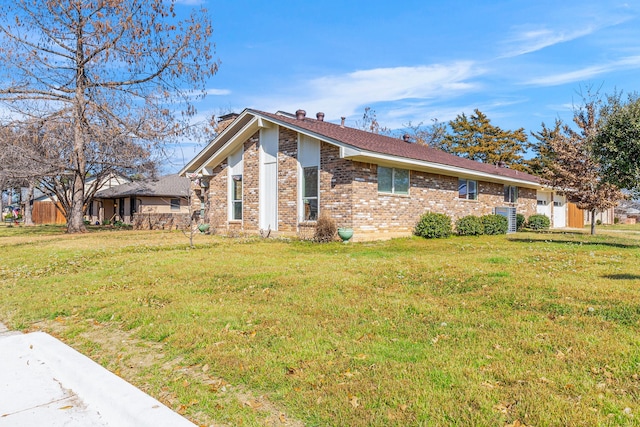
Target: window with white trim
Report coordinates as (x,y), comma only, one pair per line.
(310,193)
(510,194)
(236,197)
(235,185)
(393,180)
(309,178)
(467,189)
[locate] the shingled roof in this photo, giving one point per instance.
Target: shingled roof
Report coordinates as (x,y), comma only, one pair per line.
(165,186)
(391,146)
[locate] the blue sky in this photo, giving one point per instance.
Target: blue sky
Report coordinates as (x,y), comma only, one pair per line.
(520,62)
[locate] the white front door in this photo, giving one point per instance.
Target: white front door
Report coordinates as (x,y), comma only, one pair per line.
(559,211)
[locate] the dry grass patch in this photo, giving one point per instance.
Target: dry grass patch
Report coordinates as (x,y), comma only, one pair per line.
(537,329)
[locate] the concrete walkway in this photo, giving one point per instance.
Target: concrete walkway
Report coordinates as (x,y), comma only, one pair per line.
(44,382)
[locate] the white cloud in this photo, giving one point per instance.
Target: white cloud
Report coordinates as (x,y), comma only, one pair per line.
(630,62)
(218,92)
(527,41)
(531,38)
(343,95)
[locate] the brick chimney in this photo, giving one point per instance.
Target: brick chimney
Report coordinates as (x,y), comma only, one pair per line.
(225,120)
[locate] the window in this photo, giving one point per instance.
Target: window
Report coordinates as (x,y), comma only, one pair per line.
(510,193)
(392,180)
(542,202)
(121,208)
(132,206)
(236,197)
(175,204)
(310,193)
(236,169)
(309,178)
(467,189)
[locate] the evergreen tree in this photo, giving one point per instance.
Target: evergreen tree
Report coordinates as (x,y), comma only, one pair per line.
(542,148)
(477,139)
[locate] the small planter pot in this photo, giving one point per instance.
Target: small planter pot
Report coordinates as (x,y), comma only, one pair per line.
(203,228)
(345,234)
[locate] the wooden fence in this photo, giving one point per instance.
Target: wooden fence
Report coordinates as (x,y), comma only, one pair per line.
(47,213)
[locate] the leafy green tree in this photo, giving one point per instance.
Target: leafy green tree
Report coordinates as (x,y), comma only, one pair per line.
(475,138)
(617,144)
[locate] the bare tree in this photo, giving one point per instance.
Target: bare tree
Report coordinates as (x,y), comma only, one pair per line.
(370,123)
(432,135)
(97,77)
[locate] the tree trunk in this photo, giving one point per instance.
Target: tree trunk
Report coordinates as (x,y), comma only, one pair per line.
(75,218)
(2,182)
(593,221)
(28,206)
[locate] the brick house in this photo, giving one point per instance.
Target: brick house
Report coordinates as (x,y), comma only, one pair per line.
(279,172)
(159,203)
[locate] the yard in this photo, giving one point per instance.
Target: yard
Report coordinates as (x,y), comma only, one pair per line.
(525,329)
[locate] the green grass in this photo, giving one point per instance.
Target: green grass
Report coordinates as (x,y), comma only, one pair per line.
(540,328)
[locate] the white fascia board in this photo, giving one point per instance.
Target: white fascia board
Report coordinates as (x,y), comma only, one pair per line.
(421,165)
(242,135)
(195,165)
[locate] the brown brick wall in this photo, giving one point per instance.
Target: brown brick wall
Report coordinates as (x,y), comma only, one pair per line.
(287,181)
(527,202)
(349,194)
(336,188)
(218,200)
(251,184)
(393,214)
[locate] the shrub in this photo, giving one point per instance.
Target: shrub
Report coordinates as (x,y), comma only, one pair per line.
(539,222)
(520,221)
(495,224)
(326,229)
(469,226)
(616,220)
(433,225)
(599,222)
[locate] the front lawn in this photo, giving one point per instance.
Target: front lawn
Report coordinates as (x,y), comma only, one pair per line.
(524,329)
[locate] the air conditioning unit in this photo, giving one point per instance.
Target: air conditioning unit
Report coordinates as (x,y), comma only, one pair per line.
(510,213)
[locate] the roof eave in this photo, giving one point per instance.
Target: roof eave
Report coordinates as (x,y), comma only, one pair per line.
(211,148)
(220,148)
(432,167)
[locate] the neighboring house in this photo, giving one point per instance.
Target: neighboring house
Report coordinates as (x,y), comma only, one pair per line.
(280,172)
(146,204)
(628,211)
(44,210)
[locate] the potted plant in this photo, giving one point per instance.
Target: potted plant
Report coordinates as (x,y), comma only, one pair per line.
(345,233)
